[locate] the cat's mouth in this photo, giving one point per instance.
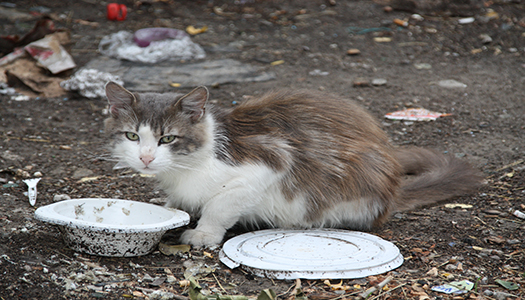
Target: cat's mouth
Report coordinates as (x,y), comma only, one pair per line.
(148,170)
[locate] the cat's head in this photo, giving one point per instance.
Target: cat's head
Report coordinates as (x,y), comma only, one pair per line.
(155,133)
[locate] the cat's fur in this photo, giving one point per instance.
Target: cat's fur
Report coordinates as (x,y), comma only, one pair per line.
(293,159)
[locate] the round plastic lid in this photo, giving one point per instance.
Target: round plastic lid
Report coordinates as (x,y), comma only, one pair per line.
(311,254)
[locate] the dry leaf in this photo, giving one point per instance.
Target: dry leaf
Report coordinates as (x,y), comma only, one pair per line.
(173,249)
(138,294)
(337,287)
(184,283)
(460,205)
(193,31)
(88,179)
(433,272)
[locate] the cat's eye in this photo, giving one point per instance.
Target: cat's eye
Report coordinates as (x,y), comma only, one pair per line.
(167,139)
(132,136)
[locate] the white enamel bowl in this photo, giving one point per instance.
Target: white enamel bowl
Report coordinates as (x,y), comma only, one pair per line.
(111,227)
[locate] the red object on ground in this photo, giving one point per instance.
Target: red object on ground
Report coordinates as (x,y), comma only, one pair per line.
(117,12)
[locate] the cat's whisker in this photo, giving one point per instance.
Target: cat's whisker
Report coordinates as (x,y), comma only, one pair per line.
(177,167)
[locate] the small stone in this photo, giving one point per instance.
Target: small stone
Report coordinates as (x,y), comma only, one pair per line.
(417,17)
(38,174)
(147,277)
(158,281)
(8,155)
(485,38)
(61,197)
(353,51)
(466,20)
(82,172)
(423,66)
(318,72)
(451,84)
(361,82)
(171,279)
(161,201)
(161,295)
(460,267)
(95,288)
(22,173)
(379,81)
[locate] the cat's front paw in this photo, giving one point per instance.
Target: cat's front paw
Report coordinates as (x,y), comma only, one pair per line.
(199,238)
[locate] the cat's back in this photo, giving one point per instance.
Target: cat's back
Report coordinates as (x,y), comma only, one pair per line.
(302,113)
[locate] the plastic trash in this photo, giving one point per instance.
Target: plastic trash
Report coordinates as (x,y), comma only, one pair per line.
(415,114)
(517,213)
(144,37)
(117,12)
(456,287)
(120,45)
(31,189)
(90,83)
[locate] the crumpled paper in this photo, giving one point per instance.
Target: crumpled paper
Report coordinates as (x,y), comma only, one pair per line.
(50,54)
(415,114)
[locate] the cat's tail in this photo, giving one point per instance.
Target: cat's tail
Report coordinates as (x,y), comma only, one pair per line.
(433,177)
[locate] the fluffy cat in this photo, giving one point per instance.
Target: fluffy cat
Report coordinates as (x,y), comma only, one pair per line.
(291,159)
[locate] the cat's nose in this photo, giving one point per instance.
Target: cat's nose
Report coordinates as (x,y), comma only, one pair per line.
(147,159)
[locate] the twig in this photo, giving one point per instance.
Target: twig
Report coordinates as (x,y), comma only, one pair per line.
(220,285)
(26,139)
(377,287)
(510,165)
(287,291)
(484,223)
(390,290)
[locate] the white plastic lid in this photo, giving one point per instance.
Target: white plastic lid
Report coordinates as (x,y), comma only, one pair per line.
(311,254)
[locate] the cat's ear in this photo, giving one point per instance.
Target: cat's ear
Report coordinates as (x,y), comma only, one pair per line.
(118,97)
(194,103)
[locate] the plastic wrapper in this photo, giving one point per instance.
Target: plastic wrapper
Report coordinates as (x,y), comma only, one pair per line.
(121,45)
(90,83)
(144,37)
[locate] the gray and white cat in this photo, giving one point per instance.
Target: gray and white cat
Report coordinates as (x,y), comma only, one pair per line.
(291,159)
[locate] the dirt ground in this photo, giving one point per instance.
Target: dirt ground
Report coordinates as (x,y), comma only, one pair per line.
(63,139)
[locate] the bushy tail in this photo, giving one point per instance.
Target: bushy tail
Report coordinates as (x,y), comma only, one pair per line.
(433,177)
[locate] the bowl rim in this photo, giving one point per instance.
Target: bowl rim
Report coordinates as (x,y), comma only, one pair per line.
(48,214)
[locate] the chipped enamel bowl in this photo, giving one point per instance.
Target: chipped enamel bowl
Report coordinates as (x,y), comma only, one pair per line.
(311,254)
(111,227)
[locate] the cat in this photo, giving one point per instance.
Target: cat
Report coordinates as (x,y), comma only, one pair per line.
(289,159)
